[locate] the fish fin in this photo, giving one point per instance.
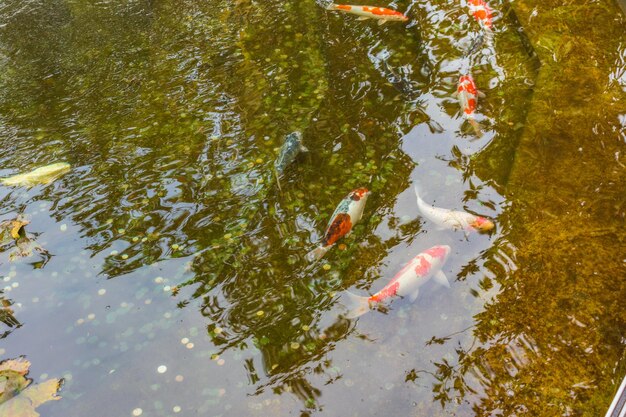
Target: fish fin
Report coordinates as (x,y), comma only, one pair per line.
(381,22)
(455,94)
(317,253)
(441,279)
(362,18)
(481,94)
(413,296)
(476,127)
(417,193)
(357,305)
(419,199)
(304,148)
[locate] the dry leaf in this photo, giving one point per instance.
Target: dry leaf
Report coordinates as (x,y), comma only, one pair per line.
(9,229)
(25,403)
(44,392)
(17,226)
(19,365)
(42,175)
(18,407)
(17,397)
(25,247)
(12,378)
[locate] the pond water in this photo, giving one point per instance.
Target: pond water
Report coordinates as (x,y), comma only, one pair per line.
(177,282)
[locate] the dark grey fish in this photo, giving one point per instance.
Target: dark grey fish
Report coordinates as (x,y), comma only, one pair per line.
(288,152)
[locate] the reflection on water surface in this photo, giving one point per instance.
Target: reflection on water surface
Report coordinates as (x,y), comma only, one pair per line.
(177,284)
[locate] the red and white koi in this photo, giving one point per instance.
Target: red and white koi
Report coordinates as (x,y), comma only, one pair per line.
(481,12)
(407,282)
(366,12)
(455,220)
(468,94)
(348,213)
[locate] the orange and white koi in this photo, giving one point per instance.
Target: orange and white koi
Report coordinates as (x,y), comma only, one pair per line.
(455,220)
(467,94)
(407,282)
(366,12)
(347,214)
(481,12)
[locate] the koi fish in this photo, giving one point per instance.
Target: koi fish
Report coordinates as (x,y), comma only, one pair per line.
(407,282)
(467,94)
(365,12)
(481,12)
(288,153)
(455,220)
(348,213)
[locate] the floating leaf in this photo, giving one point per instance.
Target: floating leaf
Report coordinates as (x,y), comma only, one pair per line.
(19,365)
(44,392)
(12,380)
(17,227)
(17,397)
(42,175)
(12,229)
(25,248)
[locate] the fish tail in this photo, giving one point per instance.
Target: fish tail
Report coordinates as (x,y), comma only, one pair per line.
(357,305)
(420,202)
(476,126)
(489,35)
(331,6)
(317,253)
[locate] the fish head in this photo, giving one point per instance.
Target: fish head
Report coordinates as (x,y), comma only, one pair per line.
(359,194)
(294,137)
(482,225)
(439,253)
(466,82)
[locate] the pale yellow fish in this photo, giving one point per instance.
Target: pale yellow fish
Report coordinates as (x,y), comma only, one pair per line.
(42,175)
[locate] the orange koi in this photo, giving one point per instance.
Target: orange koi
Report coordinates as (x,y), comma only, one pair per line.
(481,12)
(467,94)
(347,214)
(366,12)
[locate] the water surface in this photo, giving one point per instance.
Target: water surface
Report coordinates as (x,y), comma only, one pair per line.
(172,245)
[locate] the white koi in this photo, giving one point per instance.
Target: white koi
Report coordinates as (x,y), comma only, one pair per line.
(407,282)
(450,219)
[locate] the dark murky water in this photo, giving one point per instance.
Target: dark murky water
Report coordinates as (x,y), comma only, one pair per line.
(172,245)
